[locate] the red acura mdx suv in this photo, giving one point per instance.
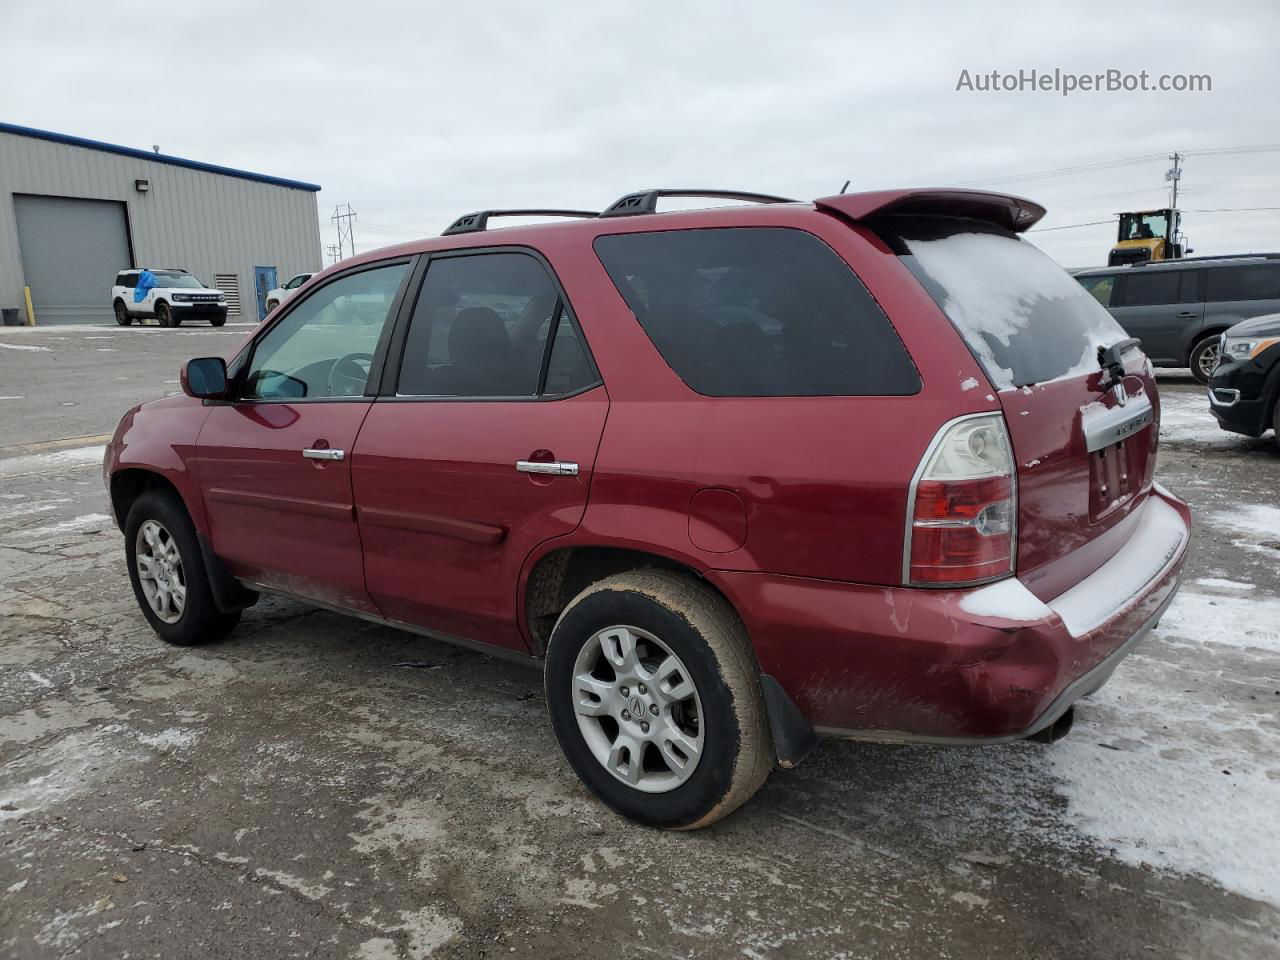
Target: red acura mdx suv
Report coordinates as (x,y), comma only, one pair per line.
(867,467)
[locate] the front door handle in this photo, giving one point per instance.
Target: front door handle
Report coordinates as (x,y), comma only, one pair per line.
(557,468)
(324,453)
(1187,316)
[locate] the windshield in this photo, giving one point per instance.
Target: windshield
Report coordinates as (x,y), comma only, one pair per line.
(1144,226)
(164,279)
(1024,317)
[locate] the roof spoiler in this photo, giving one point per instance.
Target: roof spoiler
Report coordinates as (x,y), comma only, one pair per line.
(1013,213)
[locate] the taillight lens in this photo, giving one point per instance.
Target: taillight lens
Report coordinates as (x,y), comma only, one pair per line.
(963,506)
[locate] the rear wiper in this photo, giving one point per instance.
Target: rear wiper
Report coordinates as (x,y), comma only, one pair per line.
(1111,360)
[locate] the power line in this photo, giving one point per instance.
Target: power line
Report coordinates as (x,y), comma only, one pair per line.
(1094,223)
(1120,162)
(1232,210)
(1221,151)
(386,228)
(1072,226)
(1066,171)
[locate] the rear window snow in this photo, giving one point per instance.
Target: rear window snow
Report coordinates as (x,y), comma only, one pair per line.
(1024,317)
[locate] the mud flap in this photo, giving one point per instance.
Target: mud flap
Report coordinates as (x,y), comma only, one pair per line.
(793,735)
(228,593)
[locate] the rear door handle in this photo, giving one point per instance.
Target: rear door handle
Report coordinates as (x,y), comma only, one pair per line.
(558,468)
(1187,316)
(324,453)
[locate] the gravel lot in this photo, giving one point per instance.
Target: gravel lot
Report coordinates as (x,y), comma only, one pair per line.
(316,786)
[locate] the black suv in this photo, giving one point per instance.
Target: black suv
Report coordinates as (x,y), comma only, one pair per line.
(1244,393)
(1179,309)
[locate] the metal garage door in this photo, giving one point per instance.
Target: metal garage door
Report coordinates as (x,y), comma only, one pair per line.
(71,252)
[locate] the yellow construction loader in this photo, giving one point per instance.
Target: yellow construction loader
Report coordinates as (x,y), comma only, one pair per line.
(1148,235)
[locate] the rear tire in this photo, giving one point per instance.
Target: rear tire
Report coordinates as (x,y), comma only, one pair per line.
(660,646)
(122,313)
(165,564)
(164,316)
(1204,359)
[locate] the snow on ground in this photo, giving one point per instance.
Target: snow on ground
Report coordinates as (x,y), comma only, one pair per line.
(53,532)
(1173,765)
(23,346)
(1257,520)
(51,461)
(1185,418)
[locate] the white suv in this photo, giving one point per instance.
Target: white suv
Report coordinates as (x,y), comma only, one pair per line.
(280,294)
(176,296)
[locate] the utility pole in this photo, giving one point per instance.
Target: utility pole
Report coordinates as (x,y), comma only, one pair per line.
(343,222)
(334,254)
(1173,175)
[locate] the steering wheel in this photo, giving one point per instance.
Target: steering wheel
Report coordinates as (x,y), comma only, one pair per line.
(347,377)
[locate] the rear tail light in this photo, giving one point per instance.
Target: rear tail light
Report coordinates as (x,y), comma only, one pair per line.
(962,509)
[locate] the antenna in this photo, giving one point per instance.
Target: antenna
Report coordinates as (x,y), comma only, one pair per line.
(846,186)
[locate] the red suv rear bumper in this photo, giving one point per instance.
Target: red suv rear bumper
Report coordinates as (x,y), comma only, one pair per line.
(959,666)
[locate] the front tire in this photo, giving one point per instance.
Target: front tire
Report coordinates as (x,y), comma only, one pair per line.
(655,697)
(218,321)
(122,314)
(164,315)
(272,305)
(166,569)
(1204,359)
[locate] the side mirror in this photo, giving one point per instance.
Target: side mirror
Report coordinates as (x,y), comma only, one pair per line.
(205,378)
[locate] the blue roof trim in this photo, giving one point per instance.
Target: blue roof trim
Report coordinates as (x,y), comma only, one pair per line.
(154,157)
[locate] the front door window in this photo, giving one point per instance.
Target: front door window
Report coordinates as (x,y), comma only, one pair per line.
(324,346)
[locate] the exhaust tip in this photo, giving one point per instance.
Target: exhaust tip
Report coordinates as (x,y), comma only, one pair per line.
(1056,730)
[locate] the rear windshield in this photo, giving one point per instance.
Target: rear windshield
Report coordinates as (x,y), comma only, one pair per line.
(758,312)
(1024,317)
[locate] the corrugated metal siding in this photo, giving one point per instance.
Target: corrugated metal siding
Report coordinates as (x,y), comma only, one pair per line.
(205,222)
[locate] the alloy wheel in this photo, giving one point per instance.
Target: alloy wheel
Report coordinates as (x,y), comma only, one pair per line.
(638,709)
(1209,360)
(160,572)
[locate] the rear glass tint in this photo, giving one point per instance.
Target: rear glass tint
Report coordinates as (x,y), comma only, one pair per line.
(758,312)
(1250,282)
(1024,317)
(1150,288)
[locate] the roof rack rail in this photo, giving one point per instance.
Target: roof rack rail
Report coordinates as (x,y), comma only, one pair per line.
(1270,255)
(646,201)
(475,222)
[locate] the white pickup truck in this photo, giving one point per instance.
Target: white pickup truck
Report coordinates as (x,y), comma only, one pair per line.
(176,296)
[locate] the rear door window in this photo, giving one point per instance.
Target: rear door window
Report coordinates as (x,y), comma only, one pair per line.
(758,312)
(1245,282)
(1025,318)
(481,327)
(1150,288)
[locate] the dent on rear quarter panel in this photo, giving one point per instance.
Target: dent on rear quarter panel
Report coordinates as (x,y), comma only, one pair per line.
(160,436)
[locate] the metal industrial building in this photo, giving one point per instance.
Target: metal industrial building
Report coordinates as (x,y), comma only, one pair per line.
(75,212)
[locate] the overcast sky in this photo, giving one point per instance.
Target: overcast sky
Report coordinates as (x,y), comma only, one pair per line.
(417,112)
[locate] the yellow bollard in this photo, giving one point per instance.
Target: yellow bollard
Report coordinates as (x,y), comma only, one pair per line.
(31,311)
